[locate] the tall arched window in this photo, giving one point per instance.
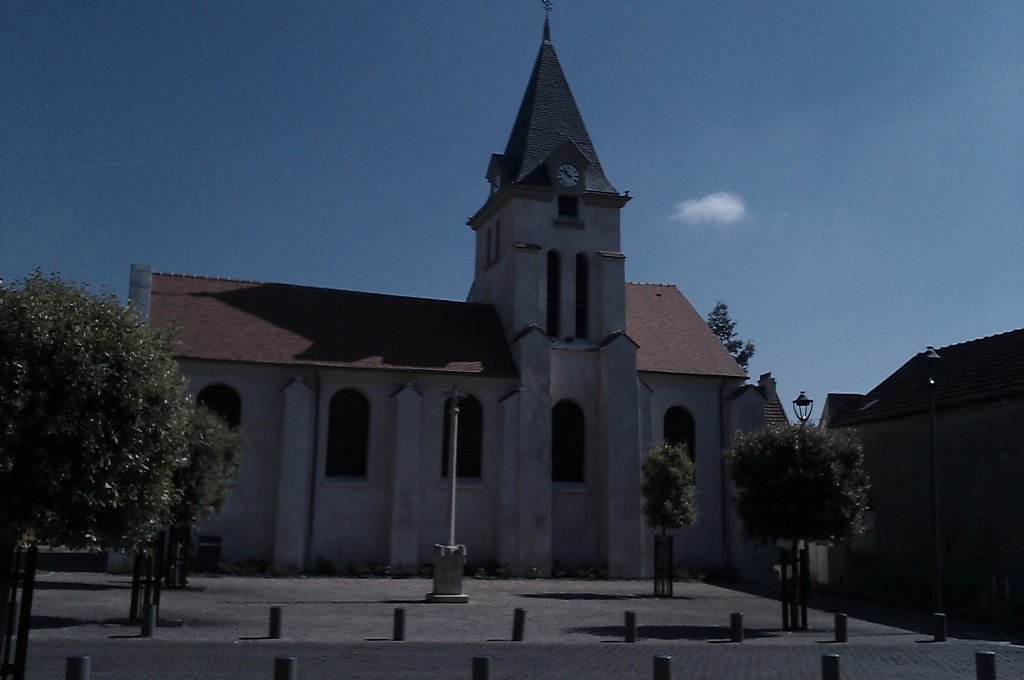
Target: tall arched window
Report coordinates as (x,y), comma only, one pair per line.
(678,428)
(554,292)
(223,401)
(582,294)
(348,435)
(568,442)
(469,455)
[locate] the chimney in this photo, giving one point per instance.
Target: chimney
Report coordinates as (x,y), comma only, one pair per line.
(140,290)
(766,383)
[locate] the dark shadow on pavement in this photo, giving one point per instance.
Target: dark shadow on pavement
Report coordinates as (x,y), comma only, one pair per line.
(43,622)
(590,596)
(55,585)
(707,633)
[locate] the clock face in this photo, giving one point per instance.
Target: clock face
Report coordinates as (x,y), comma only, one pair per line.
(568,175)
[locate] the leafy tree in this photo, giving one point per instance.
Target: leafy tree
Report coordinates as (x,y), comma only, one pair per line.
(799,483)
(94,420)
(213,458)
(724,329)
(668,487)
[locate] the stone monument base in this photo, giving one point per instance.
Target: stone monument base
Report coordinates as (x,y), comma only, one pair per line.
(449,562)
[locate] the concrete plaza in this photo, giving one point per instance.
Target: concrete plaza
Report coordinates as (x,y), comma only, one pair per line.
(342,628)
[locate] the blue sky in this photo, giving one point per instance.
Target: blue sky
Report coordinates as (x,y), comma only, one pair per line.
(847,177)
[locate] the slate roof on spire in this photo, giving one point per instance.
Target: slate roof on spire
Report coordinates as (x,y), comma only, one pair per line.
(548,118)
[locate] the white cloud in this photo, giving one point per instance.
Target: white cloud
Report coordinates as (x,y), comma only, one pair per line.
(721,207)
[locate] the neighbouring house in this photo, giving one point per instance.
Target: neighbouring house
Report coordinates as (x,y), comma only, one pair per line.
(978,392)
(564,375)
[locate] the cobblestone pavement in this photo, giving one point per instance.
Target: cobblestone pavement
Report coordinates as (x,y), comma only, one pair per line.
(343,628)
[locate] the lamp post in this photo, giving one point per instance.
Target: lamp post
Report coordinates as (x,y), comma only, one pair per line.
(931,358)
(802,407)
(449,558)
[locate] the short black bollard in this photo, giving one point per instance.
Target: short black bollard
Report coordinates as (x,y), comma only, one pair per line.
(841,627)
(518,624)
(985,665)
(148,620)
(481,668)
(77,668)
(275,623)
(829,667)
(736,627)
(663,668)
(630,626)
(939,627)
(286,668)
(398,631)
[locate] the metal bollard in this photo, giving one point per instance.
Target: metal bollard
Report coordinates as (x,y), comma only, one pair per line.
(630,626)
(736,627)
(286,668)
(663,668)
(148,620)
(399,627)
(985,665)
(841,627)
(939,627)
(275,623)
(481,668)
(829,667)
(77,668)
(518,624)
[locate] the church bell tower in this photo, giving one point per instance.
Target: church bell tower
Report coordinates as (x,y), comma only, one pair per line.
(548,258)
(547,238)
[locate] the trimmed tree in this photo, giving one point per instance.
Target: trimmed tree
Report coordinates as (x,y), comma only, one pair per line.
(799,483)
(670,498)
(94,421)
(212,459)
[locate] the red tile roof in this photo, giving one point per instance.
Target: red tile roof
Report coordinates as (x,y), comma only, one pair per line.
(672,336)
(273,323)
(276,323)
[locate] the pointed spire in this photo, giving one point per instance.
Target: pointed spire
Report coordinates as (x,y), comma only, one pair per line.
(548,118)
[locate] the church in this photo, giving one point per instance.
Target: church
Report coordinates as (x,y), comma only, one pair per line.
(563,373)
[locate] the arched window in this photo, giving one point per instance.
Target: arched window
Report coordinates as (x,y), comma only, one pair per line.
(568,442)
(582,294)
(223,401)
(471,438)
(348,435)
(554,292)
(678,428)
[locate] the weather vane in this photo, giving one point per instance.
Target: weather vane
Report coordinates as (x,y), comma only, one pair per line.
(547,5)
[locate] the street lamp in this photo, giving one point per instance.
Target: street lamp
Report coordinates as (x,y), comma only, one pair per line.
(802,407)
(931,362)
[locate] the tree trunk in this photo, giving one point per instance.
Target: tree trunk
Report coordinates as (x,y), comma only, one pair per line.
(6,566)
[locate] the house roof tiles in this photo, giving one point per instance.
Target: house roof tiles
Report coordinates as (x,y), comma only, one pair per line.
(986,369)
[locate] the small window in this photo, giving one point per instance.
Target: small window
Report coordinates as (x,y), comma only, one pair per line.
(568,206)
(223,401)
(568,442)
(348,435)
(469,454)
(554,292)
(582,295)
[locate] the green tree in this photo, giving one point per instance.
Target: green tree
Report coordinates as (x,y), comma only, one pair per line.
(670,498)
(213,458)
(94,420)
(724,329)
(799,483)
